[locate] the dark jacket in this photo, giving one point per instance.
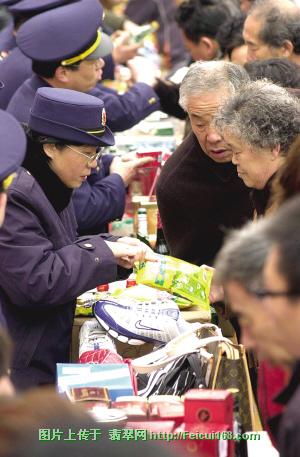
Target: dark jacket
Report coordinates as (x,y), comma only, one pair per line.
(286,427)
(198,200)
(123,111)
(100,199)
(43,268)
(261,198)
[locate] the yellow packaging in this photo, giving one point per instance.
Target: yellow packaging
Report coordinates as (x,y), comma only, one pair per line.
(177,277)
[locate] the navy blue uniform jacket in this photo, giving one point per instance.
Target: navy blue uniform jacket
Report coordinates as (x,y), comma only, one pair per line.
(123,111)
(43,268)
(100,199)
(16,68)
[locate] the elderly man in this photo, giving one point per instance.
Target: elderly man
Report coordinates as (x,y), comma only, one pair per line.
(239,266)
(280,297)
(272,30)
(199,194)
(277,294)
(259,123)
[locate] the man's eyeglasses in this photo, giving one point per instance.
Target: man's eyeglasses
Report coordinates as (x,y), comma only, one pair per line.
(7,182)
(90,158)
(265,293)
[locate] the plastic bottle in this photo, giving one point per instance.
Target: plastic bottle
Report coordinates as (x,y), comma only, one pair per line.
(142,232)
(145,30)
(161,245)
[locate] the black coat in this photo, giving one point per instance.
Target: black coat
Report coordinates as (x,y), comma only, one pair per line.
(198,200)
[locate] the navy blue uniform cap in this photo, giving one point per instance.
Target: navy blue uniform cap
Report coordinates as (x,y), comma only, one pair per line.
(65,32)
(36,6)
(71,116)
(7,2)
(12,145)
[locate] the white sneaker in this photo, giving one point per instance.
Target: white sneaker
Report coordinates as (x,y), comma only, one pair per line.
(138,323)
(93,336)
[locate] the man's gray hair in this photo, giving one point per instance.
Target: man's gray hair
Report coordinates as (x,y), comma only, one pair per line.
(262,115)
(243,255)
(280,22)
(203,77)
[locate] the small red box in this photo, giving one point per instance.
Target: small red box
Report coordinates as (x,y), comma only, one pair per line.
(204,406)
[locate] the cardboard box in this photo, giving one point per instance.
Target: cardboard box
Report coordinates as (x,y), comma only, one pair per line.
(115,377)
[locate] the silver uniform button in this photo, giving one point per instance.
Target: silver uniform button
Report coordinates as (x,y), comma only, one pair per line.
(97,259)
(88,245)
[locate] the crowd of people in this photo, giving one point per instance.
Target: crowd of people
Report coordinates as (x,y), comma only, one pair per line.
(227,197)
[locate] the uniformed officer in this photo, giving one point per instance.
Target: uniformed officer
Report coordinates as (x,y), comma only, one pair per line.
(15,67)
(73,60)
(44,266)
(20,12)
(68,61)
(7,40)
(12,151)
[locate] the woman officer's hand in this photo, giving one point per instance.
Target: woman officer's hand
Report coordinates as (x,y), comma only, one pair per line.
(127,251)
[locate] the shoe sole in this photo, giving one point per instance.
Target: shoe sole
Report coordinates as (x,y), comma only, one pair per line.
(116,330)
(117,336)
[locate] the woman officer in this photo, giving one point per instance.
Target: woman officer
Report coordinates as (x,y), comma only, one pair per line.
(44,266)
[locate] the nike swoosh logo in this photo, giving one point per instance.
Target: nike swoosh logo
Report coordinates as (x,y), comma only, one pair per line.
(141,326)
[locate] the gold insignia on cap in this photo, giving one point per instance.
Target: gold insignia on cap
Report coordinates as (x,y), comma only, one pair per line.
(103,117)
(152,100)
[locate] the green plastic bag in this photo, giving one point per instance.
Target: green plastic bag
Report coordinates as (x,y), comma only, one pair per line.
(177,277)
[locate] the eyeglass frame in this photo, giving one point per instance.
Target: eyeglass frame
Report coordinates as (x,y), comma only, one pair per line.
(90,158)
(264,293)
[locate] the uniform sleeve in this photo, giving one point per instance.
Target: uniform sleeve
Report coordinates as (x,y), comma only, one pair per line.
(124,111)
(99,202)
(168,94)
(109,67)
(33,272)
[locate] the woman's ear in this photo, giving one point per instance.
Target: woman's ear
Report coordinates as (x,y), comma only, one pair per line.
(287,49)
(276,152)
(50,150)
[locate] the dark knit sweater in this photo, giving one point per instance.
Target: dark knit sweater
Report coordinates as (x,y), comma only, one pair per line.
(198,200)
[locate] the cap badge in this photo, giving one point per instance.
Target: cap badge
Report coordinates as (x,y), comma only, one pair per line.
(103,120)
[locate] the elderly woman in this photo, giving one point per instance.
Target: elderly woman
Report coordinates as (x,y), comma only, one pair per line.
(259,123)
(44,266)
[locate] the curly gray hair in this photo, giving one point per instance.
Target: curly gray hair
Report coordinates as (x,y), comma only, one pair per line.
(209,76)
(262,115)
